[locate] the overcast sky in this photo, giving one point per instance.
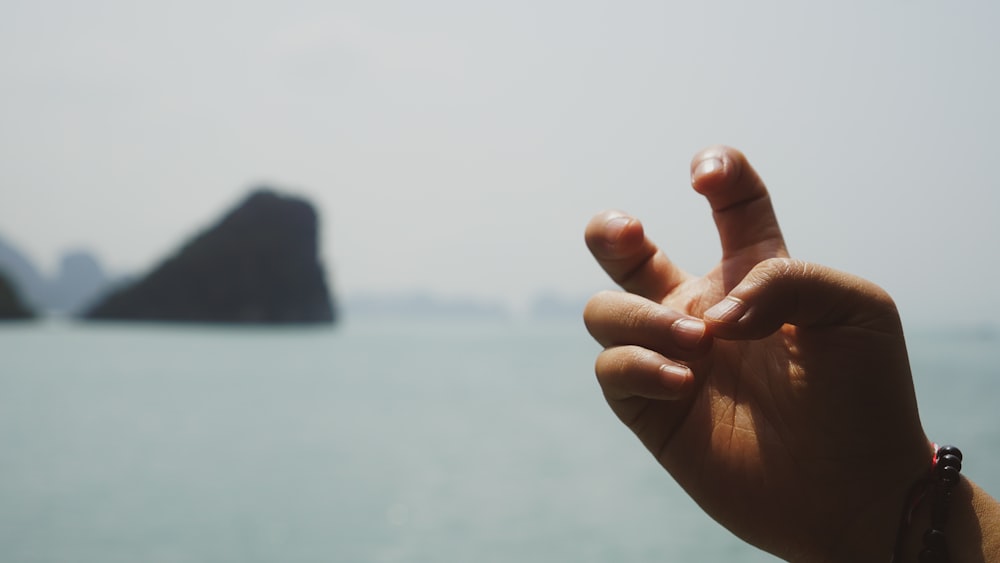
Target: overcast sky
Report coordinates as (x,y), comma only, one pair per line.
(461,146)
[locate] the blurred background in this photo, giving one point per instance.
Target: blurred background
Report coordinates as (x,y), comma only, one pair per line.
(453,152)
(460,147)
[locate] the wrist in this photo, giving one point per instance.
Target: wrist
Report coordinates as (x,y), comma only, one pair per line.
(962,532)
(930,500)
(971,529)
(872,533)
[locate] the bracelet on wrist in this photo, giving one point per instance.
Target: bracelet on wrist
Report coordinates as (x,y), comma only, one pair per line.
(936,488)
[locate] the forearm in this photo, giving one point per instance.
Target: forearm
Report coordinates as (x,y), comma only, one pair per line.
(986,515)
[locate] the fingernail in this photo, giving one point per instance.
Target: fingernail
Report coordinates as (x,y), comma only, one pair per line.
(614,227)
(707,166)
(675,377)
(688,333)
(729,310)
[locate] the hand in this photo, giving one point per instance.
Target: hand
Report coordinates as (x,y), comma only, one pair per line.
(776,392)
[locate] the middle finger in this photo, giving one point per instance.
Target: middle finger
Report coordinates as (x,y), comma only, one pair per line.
(619,318)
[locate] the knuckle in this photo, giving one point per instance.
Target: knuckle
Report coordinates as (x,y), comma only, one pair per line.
(597,304)
(609,363)
(782,268)
(618,361)
(636,316)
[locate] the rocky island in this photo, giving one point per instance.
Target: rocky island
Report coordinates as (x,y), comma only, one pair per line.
(11,307)
(259,264)
(79,281)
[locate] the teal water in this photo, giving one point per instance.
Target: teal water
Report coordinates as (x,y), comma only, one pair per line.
(387,442)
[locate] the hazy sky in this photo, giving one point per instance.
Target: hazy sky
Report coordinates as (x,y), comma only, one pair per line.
(461,146)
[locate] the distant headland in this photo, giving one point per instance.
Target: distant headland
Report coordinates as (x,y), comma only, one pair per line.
(11,306)
(258,264)
(78,281)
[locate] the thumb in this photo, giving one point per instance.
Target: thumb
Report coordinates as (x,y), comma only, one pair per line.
(782,291)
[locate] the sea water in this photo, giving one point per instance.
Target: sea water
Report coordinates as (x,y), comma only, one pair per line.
(370,442)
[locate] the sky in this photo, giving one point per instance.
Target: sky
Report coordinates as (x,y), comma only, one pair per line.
(460,147)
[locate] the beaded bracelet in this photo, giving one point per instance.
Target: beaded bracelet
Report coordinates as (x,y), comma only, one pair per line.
(945,474)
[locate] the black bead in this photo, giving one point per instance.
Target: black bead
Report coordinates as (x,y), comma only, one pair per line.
(950,450)
(949,475)
(935,540)
(949,460)
(939,520)
(930,556)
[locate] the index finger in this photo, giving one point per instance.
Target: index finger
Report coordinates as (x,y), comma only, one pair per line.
(619,244)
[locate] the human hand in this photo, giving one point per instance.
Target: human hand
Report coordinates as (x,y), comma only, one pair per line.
(776,392)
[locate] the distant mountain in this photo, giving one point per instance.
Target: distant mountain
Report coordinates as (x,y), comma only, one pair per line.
(11,306)
(553,305)
(23,276)
(259,264)
(421,304)
(546,305)
(79,280)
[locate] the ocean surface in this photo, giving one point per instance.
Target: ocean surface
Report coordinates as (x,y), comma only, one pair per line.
(449,441)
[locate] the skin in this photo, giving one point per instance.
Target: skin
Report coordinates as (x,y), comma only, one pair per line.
(776,392)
